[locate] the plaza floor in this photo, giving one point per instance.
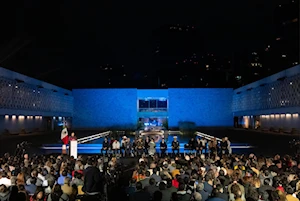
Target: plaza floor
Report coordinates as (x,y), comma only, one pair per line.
(95,146)
(263,143)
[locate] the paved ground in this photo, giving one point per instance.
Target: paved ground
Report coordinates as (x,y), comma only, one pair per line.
(8,143)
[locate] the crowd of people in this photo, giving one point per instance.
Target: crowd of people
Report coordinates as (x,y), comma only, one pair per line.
(61,178)
(230,177)
(214,175)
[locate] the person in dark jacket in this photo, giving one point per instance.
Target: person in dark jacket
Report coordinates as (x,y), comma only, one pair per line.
(175,145)
(93,180)
(105,146)
(224,147)
(163,147)
(192,144)
(224,178)
(140,194)
(200,189)
(182,194)
(219,192)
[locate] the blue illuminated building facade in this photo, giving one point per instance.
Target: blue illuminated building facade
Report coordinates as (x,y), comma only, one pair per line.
(126,108)
(27,104)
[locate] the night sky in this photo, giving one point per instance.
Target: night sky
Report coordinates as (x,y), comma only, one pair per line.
(46,39)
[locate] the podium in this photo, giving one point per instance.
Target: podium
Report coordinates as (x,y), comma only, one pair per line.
(73,148)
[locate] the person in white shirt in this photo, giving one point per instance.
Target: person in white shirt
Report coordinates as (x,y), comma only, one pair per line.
(124,144)
(203,142)
(4,180)
(116,146)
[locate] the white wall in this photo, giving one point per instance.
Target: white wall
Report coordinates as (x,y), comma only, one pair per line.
(14,124)
(285,121)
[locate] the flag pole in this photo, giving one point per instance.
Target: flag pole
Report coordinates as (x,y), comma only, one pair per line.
(64,138)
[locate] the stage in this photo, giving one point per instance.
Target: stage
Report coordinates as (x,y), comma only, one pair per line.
(95,146)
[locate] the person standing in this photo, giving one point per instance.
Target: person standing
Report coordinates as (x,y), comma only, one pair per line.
(93,184)
(146,145)
(128,147)
(213,146)
(224,146)
(72,137)
(152,147)
(228,145)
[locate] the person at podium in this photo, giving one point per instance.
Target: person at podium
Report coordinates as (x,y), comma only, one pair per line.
(72,137)
(175,145)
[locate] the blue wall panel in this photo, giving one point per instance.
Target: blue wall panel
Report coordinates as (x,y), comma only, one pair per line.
(105,108)
(204,107)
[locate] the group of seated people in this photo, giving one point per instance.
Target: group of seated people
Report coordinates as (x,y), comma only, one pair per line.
(202,145)
(147,146)
(137,147)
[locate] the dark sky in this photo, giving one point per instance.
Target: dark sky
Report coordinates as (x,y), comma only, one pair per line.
(46,39)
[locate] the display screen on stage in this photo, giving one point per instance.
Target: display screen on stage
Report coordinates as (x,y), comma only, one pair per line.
(153,103)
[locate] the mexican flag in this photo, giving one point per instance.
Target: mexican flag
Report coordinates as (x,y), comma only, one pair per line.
(64,136)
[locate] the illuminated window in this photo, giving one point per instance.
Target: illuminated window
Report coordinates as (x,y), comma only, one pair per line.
(21,117)
(13,116)
(283,56)
(6,116)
